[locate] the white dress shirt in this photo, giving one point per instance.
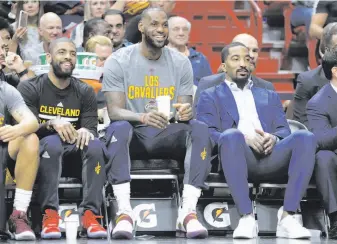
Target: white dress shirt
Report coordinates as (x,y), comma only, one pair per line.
(248,116)
(333,87)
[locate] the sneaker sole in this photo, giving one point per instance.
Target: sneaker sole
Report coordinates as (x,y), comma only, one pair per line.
(283,234)
(122,235)
(192,235)
(97,235)
(51,235)
(24,236)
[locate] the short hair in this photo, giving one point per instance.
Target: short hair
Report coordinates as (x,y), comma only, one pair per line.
(59,40)
(114,12)
(225,50)
(329,61)
(189,25)
(93,41)
(91,26)
(4,25)
(328,32)
(146,12)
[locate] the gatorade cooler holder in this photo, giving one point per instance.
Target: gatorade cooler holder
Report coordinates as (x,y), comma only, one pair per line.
(154,203)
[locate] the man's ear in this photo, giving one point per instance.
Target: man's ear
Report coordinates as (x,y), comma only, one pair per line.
(223,67)
(141,27)
(48,58)
(334,72)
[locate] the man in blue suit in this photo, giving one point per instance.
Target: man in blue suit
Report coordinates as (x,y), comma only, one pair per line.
(213,80)
(249,130)
(322,120)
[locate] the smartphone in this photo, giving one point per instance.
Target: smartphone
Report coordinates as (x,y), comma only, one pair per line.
(23,19)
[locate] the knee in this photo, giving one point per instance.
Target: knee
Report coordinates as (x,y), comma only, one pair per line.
(231,137)
(199,129)
(52,145)
(95,147)
(325,160)
(121,130)
(32,141)
(304,137)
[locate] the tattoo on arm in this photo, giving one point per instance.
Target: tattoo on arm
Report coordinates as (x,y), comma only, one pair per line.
(116,104)
(21,113)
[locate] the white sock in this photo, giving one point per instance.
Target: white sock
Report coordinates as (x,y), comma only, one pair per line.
(190,196)
(122,194)
(22,199)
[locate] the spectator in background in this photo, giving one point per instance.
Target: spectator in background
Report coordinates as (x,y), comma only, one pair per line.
(12,74)
(19,150)
(27,38)
(251,43)
(64,7)
(116,20)
(322,121)
(179,30)
(250,132)
(310,82)
(326,13)
(49,30)
(132,33)
(102,46)
(95,27)
(130,8)
(50,96)
(92,9)
(302,13)
(6,32)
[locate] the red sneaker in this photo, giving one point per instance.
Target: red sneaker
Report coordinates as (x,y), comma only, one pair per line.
(50,225)
(19,227)
(94,229)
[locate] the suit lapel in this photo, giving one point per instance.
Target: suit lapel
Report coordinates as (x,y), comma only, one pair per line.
(261,101)
(226,98)
(331,94)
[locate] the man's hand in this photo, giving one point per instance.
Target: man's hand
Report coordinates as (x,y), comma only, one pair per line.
(256,141)
(65,130)
(19,34)
(83,138)
(14,62)
(9,133)
(268,143)
(155,119)
(184,111)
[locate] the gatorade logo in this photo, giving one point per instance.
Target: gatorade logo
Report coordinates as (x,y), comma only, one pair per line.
(216,214)
(146,215)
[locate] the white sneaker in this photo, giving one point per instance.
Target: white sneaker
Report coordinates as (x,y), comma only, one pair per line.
(123,228)
(289,227)
(188,226)
(246,228)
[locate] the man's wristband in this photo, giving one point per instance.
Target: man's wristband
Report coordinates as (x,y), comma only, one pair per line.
(24,72)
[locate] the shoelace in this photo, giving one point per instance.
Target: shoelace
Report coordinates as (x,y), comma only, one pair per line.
(51,216)
(92,220)
(21,223)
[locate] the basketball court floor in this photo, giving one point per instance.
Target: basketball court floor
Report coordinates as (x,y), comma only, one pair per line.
(171,240)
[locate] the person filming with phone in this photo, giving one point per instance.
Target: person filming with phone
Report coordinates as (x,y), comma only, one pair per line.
(26,23)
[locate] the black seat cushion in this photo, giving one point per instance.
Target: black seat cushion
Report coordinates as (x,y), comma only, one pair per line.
(155,164)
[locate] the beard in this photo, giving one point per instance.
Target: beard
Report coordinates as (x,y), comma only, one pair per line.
(59,73)
(153,43)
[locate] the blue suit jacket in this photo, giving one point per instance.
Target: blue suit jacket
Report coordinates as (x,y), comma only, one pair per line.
(217,108)
(322,117)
